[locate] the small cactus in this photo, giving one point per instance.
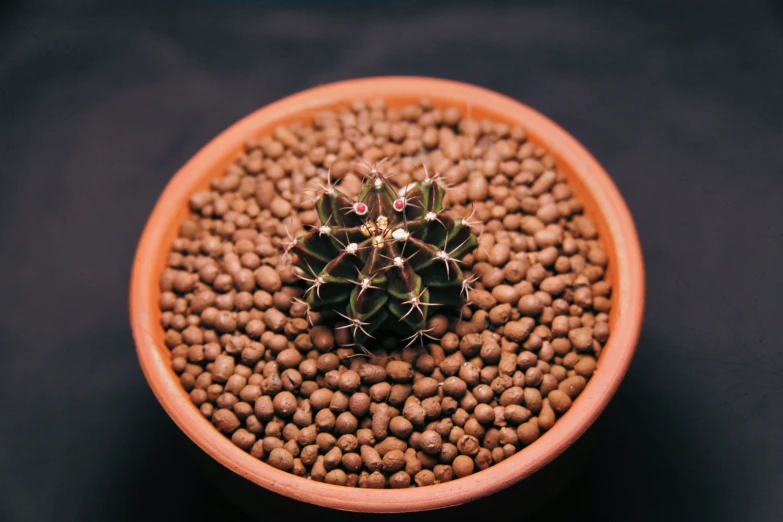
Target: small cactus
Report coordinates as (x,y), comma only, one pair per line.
(383,261)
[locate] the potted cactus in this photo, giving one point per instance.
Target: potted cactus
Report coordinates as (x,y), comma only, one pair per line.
(382,261)
(424,364)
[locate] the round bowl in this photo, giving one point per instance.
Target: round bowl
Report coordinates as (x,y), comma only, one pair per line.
(589,182)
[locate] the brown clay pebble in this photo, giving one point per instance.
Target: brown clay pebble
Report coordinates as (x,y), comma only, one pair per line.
(517,331)
(285,404)
(324,420)
(462,466)
(268,279)
(244,439)
(559,400)
(399,371)
(393,460)
(468,445)
(225,420)
(372,374)
(371,459)
(287,385)
(352,462)
(400,427)
(484,413)
(528,432)
(443,472)
(585,367)
(337,477)
(333,458)
(546,417)
(322,338)
(281,459)
(430,442)
(572,386)
(223,368)
(318,471)
(425,387)
(454,387)
(376,480)
(289,358)
(483,459)
(359,404)
(349,381)
(424,477)
(581,338)
(400,480)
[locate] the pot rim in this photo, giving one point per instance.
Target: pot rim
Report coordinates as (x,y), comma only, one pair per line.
(626,316)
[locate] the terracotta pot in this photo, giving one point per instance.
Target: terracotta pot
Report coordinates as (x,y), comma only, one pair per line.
(589,182)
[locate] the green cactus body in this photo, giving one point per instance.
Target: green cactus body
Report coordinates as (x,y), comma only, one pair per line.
(384,260)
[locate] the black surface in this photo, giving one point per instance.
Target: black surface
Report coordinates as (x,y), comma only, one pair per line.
(681,102)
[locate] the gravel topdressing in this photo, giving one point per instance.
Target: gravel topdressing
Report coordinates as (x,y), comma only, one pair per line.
(280,381)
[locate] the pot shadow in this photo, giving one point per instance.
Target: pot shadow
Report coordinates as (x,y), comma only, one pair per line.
(647,463)
(631,464)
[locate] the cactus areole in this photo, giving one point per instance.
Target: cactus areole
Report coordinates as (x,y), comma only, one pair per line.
(384,261)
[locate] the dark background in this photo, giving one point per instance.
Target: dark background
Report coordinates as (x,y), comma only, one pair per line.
(682,102)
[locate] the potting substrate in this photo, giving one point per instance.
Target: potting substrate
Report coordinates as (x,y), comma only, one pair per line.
(476,384)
